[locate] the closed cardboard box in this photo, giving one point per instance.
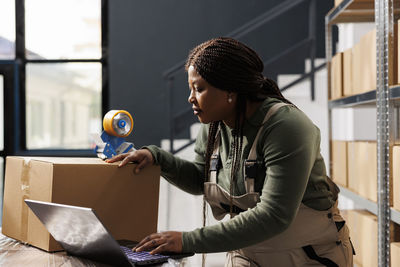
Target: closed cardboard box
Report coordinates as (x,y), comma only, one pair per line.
(353,220)
(126,203)
(347,72)
(356,68)
(396,50)
(396,178)
(362,169)
(364,236)
(339,162)
(395,254)
(368,62)
(393,55)
(363,227)
(337,76)
(337,2)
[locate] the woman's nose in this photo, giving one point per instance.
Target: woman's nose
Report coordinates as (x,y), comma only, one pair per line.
(191,97)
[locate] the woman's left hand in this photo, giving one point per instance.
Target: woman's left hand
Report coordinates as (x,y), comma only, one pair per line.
(161,242)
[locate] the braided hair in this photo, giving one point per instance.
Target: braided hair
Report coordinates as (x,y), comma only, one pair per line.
(229,65)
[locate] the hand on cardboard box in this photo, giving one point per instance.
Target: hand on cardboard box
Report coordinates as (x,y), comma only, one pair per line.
(142,157)
(169,241)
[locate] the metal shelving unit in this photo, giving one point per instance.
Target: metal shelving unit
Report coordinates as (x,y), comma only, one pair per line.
(382,12)
(367,204)
(365,99)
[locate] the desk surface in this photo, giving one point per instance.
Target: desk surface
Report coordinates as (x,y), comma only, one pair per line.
(15,253)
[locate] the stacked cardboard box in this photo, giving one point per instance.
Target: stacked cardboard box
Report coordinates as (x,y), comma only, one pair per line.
(126,203)
(396,177)
(367,66)
(347,72)
(363,227)
(358,66)
(339,162)
(362,169)
(356,69)
(337,2)
(395,254)
(337,76)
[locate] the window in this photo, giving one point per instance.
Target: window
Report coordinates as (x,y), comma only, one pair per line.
(63,29)
(7,29)
(63,105)
(1,113)
(1,142)
(63,73)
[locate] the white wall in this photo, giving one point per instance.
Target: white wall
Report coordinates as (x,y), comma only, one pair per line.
(316,110)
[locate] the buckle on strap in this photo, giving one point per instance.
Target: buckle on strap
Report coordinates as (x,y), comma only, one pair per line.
(214,162)
(250,169)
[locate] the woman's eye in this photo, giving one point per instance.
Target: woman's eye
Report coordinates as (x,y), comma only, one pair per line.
(198,89)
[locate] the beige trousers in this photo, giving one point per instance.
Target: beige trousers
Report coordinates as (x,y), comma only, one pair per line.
(310,227)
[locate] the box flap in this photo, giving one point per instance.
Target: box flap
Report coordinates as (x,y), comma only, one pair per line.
(66,160)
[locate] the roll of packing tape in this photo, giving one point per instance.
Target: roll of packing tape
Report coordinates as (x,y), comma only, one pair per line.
(118,123)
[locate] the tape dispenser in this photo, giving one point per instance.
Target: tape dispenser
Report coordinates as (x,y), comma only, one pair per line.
(117,125)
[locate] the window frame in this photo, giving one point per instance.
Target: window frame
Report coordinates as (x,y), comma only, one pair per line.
(19,111)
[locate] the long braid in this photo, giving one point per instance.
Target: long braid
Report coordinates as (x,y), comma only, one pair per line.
(212,131)
(237,149)
(210,147)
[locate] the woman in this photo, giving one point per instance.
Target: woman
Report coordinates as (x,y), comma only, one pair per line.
(258,160)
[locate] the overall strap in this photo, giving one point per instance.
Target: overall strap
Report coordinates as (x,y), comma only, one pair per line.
(215,158)
(252,158)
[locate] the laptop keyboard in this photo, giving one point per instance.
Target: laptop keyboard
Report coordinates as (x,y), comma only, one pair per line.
(143,257)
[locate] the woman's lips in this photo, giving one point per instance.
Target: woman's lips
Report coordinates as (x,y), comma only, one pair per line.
(196,111)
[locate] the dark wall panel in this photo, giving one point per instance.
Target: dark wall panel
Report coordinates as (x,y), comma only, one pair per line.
(148,37)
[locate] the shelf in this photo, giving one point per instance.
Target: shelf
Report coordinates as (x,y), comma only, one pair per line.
(368,98)
(355,11)
(369,205)
(352,11)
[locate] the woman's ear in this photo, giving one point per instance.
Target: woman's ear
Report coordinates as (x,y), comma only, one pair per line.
(231,96)
(230,99)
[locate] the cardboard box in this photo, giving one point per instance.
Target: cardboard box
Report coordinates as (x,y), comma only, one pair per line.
(337,76)
(339,162)
(362,169)
(396,177)
(337,2)
(359,221)
(356,68)
(395,254)
(126,203)
(347,72)
(368,62)
(363,227)
(393,55)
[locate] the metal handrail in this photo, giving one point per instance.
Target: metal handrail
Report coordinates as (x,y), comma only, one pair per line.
(245,29)
(291,49)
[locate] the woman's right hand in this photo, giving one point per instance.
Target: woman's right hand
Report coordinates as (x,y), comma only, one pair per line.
(142,157)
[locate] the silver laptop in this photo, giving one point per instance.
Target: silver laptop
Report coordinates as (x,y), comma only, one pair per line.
(81,233)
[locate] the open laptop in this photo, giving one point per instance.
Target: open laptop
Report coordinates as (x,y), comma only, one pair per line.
(81,233)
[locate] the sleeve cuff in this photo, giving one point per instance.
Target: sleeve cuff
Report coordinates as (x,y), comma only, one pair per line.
(187,242)
(154,151)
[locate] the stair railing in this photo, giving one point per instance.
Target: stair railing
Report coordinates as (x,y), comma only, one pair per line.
(178,122)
